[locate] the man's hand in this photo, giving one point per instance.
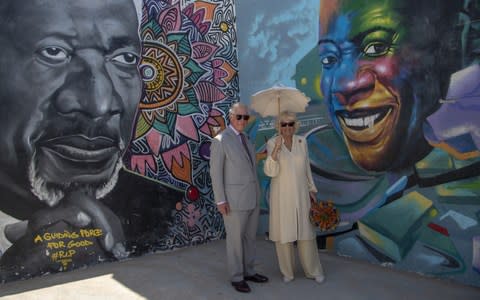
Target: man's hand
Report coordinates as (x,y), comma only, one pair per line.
(224,208)
(51,240)
(103,218)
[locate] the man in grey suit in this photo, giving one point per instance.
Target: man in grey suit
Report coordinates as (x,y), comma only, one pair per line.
(237,193)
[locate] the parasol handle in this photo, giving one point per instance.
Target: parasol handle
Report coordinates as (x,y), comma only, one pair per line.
(278,115)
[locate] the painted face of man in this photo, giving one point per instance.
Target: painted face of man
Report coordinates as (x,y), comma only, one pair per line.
(369,83)
(69,86)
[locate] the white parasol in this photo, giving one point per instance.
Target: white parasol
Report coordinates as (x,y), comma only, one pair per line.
(272,101)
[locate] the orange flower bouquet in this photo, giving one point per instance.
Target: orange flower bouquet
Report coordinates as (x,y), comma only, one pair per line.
(324,215)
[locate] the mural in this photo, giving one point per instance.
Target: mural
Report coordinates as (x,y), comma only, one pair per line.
(105,155)
(400,160)
(392,125)
(189,66)
(402,102)
(273,37)
(106,129)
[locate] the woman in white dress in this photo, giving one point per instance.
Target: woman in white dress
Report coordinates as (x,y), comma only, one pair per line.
(291,187)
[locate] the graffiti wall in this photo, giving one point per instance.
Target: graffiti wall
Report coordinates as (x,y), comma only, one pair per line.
(393,127)
(400,80)
(189,66)
(108,109)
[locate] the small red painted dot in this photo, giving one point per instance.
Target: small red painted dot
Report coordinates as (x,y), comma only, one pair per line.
(193,193)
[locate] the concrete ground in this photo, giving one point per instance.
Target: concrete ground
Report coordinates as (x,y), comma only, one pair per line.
(200,273)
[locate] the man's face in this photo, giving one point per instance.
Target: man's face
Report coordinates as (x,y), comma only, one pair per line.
(366,81)
(239,123)
(69,87)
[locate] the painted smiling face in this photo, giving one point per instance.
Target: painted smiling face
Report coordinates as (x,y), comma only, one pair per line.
(377,89)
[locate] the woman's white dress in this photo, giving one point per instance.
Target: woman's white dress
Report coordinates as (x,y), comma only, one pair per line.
(289,192)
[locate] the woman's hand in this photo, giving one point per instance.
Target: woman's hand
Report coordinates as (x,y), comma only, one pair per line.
(278,146)
(278,142)
(313,196)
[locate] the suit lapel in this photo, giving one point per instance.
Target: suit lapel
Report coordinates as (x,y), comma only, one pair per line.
(239,146)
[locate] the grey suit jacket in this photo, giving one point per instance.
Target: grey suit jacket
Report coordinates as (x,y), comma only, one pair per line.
(234,177)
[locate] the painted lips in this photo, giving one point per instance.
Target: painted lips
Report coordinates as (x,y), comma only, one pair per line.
(78,158)
(363,119)
(80,148)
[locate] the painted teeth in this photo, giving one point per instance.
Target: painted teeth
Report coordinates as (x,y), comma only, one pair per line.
(362,122)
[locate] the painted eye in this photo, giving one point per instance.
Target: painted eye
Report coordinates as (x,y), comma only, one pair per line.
(126,58)
(376,49)
(328,61)
(54,54)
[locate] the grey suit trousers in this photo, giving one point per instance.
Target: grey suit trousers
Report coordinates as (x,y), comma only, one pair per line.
(241,229)
(234,181)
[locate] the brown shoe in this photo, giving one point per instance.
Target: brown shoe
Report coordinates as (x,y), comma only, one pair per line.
(241,286)
(257,278)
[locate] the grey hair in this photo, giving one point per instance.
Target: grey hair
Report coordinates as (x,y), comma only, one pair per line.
(236,106)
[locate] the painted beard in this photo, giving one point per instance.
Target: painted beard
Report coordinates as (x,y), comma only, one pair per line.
(52,193)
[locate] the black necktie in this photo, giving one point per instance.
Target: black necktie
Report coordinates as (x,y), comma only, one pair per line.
(244,142)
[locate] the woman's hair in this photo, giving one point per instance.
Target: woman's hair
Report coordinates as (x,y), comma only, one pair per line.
(287,115)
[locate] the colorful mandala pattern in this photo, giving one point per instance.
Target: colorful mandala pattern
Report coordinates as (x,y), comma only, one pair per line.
(190,72)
